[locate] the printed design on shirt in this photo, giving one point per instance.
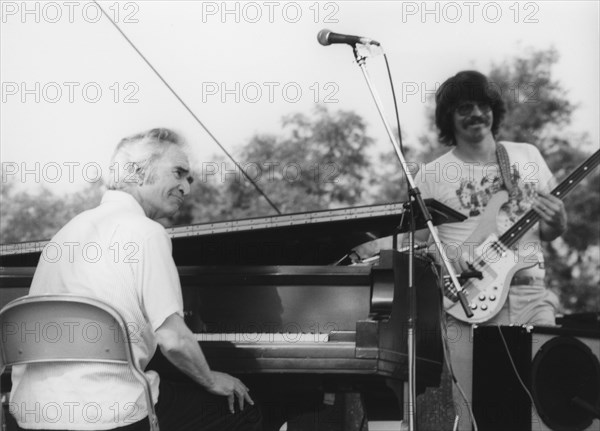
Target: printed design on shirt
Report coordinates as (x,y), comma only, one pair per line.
(475,195)
(518,204)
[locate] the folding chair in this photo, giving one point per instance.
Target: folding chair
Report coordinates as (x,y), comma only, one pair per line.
(67,328)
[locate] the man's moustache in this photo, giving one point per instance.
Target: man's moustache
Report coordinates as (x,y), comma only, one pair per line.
(476,120)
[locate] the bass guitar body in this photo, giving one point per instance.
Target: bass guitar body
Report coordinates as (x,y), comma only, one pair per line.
(497,264)
(494,256)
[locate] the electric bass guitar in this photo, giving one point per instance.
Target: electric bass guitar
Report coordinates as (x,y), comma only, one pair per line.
(495,258)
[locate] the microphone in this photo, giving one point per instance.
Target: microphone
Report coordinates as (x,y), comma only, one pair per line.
(326,37)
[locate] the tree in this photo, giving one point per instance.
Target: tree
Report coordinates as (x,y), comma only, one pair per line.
(537,105)
(320,163)
(35,216)
(538,111)
(392,184)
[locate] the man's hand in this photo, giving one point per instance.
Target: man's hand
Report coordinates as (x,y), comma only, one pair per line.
(179,345)
(460,263)
(553,214)
(230,387)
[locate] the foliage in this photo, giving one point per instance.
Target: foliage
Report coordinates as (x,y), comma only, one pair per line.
(538,112)
(536,105)
(27,217)
(392,185)
(319,162)
(390,178)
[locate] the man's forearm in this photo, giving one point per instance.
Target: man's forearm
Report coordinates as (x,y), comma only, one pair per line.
(190,360)
(553,216)
(180,347)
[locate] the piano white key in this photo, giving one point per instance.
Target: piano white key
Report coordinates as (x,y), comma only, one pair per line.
(265,338)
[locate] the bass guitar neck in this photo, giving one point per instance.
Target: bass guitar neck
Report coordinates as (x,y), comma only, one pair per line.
(495,258)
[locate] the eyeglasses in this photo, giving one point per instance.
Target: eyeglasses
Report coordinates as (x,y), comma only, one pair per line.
(465,108)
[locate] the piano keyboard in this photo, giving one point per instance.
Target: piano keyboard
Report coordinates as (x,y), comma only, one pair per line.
(264,338)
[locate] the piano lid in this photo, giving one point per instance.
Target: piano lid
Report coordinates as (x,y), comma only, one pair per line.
(312,238)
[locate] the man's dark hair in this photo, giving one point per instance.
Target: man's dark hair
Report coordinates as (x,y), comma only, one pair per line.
(468,85)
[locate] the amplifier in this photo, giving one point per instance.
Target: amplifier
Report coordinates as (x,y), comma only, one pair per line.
(559,366)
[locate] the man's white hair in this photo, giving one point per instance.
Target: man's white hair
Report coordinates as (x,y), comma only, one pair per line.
(135,157)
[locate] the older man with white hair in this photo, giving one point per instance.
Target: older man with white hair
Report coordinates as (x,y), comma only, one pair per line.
(133,270)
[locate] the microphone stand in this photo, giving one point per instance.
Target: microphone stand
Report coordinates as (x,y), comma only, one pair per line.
(415,203)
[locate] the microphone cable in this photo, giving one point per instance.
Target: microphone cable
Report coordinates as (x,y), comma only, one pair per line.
(514,367)
(387,66)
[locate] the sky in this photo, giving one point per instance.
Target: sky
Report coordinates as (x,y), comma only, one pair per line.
(72,86)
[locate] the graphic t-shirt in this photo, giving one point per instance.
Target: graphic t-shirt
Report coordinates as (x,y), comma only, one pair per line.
(468,187)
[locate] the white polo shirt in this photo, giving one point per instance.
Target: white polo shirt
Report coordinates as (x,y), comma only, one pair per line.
(118,255)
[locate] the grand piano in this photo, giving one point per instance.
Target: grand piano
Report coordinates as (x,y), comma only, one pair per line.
(273,300)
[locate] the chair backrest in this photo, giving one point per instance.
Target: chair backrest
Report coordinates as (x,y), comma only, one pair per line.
(67,328)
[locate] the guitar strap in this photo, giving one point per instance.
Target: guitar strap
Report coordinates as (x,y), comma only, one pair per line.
(504,165)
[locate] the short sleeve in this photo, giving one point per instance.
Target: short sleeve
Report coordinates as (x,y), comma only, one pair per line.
(159,281)
(545,176)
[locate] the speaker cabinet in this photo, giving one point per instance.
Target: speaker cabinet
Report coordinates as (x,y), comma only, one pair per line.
(560,367)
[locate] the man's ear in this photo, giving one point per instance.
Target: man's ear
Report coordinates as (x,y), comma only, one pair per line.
(135,173)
